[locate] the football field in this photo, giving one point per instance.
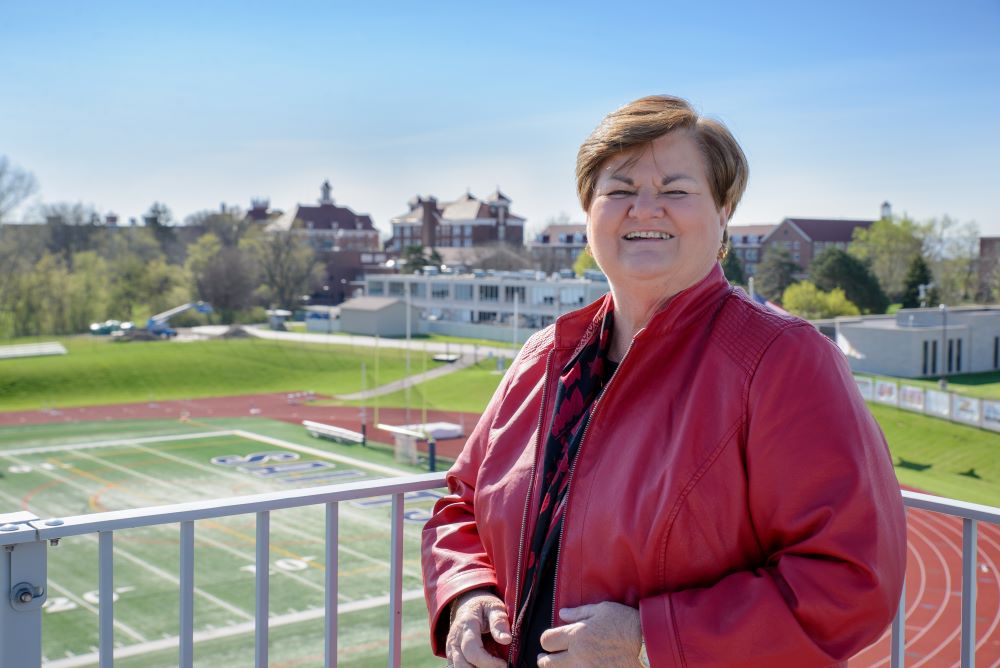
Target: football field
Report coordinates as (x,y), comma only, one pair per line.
(58,470)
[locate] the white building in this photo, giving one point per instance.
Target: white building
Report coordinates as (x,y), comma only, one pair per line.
(923,342)
(483,305)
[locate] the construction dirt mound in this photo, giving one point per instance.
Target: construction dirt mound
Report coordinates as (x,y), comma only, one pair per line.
(235,332)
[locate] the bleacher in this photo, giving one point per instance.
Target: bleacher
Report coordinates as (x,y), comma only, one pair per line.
(32,350)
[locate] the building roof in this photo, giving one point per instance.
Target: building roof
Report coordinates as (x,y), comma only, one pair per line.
(325,217)
(369,303)
(497,196)
(466,207)
(825,229)
(761,229)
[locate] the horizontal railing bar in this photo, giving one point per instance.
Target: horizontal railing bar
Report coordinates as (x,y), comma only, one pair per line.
(116,520)
(940,504)
(213,508)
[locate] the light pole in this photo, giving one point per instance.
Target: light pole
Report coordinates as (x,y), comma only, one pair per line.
(944,341)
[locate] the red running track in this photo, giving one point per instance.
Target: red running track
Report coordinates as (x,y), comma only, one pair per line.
(934,556)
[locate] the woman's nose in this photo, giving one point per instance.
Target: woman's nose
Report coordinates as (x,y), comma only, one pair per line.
(645,205)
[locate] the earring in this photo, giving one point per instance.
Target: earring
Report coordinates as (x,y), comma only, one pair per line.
(723,251)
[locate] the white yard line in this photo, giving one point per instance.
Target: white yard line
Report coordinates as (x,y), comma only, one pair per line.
(125,628)
(128,556)
(43,449)
(245,556)
(229,631)
(316,452)
(359,517)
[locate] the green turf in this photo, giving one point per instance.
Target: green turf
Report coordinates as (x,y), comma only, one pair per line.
(152,472)
(931,454)
(467,390)
(98,371)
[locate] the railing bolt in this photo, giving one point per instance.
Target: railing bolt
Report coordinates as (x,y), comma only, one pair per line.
(54,523)
(8,527)
(25,597)
(53,542)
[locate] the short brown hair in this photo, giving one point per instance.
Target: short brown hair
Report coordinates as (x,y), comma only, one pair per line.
(638,123)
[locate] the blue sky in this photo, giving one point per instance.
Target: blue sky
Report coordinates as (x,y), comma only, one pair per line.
(839,106)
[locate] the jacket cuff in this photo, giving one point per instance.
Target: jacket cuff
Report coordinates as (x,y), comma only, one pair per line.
(659,632)
(448,592)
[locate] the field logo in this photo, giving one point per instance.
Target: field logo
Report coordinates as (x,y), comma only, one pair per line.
(965,409)
(991,415)
(912,398)
(938,403)
(865,387)
(885,393)
(255,458)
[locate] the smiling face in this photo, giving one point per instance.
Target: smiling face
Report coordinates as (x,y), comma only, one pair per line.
(652,224)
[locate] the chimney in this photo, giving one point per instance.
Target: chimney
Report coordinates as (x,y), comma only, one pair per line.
(428,223)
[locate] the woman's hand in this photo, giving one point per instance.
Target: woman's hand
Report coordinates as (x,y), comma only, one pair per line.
(477,613)
(603,634)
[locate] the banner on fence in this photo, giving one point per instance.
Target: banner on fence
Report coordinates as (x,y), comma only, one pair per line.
(911,397)
(991,415)
(866,387)
(886,393)
(965,409)
(937,403)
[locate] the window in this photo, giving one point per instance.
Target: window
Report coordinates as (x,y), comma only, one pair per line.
(934,357)
(439,291)
(489,293)
(468,230)
(751,254)
(924,372)
(395,289)
(376,288)
(418,290)
(996,352)
(795,256)
(510,291)
(795,245)
(463,292)
(951,355)
(958,355)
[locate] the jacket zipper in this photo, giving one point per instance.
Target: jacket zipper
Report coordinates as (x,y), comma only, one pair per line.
(572,468)
(524,517)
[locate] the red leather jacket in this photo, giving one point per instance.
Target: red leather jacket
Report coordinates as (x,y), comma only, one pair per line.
(732,486)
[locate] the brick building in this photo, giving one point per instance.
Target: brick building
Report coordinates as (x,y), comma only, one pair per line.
(805,238)
(464,223)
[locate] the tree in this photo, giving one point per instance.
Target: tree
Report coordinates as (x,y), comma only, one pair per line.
(584,262)
(888,247)
(953,250)
(71,227)
(417,257)
(231,226)
(805,300)
(288,264)
(833,268)
(775,272)
(733,268)
(918,274)
(160,220)
(225,277)
(16,185)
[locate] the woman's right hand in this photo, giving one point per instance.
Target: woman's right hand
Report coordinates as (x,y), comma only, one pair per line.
(477,613)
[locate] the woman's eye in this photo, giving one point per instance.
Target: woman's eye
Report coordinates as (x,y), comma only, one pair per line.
(675,193)
(619,193)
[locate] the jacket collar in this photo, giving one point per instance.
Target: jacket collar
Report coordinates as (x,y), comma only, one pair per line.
(686,307)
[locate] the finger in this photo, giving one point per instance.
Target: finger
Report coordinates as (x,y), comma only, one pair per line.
(577,614)
(556,640)
(499,625)
(474,652)
(551,660)
(458,661)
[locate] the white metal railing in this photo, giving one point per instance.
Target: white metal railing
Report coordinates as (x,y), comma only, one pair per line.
(23,565)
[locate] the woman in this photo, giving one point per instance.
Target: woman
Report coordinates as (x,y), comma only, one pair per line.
(671,476)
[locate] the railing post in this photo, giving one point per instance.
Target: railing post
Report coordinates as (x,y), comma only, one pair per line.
(396,583)
(106,598)
(969,531)
(263,573)
(331,589)
(186,603)
(23,588)
(898,645)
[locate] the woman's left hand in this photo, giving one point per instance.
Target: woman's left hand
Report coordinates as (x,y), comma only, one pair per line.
(602,634)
